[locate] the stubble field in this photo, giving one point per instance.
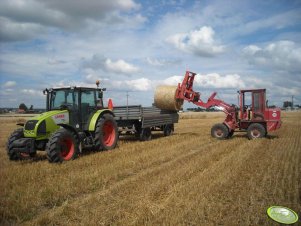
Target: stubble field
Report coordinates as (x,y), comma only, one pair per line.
(185,179)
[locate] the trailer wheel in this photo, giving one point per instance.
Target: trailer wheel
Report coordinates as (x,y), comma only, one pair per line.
(219,131)
(255,131)
(168,130)
(146,134)
(62,146)
(17,134)
(106,133)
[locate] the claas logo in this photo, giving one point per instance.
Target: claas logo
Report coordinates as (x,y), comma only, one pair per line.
(59,116)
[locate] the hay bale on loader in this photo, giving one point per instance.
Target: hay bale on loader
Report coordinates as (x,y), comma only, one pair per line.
(165,98)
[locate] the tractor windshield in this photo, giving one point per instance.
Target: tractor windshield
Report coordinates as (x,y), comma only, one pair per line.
(63,99)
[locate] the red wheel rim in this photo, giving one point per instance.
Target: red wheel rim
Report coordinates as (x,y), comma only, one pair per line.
(219,133)
(24,155)
(108,134)
(256,133)
(67,149)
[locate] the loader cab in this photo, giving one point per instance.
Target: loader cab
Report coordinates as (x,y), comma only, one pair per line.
(252,104)
(80,102)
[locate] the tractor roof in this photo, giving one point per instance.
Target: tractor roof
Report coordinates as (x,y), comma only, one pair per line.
(73,87)
(252,90)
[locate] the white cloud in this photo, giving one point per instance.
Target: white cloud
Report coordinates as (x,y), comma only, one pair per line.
(281,55)
(15,31)
(26,19)
(32,92)
(141,84)
(120,66)
(161,62)
(173,80)
(9,84)
(216,80)
(200,42)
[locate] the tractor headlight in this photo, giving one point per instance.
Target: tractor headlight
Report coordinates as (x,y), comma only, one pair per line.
(30,125)
(41,128)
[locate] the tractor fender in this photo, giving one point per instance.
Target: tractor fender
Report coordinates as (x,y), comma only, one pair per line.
(226,124)
(98,115)
(70,128)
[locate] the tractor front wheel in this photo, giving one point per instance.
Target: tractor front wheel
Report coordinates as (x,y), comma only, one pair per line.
(62,146)
(255,131)
(219,131)
(106,133)
(12,154)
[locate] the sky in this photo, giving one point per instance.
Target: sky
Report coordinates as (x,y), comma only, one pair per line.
(133,46)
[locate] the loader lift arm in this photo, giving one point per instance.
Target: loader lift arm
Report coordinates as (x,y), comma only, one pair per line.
(185,92)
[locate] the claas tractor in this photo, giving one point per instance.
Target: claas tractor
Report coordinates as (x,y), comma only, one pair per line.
(75,120)
(252,116)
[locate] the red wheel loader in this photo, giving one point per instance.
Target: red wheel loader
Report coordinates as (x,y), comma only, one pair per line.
(254,118)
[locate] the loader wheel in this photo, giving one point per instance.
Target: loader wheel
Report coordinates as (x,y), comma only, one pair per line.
(17,134)
(219,131)
(106,133)
(146,134)
(168,130)
(230,133)
(62,146)
(255,131)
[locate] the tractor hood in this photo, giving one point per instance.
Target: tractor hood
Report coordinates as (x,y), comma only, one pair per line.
(41,126)
(58,116)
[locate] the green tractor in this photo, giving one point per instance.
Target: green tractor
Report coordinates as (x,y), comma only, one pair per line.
(75,120)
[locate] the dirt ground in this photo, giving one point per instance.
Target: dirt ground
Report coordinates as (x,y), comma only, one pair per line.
(185,179)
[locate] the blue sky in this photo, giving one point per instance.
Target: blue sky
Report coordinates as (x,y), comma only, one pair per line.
(136,45)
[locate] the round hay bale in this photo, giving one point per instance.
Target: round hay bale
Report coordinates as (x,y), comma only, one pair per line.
(165,98)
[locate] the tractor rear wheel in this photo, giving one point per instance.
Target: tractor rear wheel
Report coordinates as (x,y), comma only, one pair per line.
(255,131)
(106,133)
(62,146)
(17,134)
(146,134)
(219,131)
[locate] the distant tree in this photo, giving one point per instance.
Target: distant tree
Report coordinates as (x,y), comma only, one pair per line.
(31,107)
(22,106)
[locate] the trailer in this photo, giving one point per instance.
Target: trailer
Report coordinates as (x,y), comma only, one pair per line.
(141,121)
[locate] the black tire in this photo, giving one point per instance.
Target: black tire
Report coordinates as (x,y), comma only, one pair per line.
(146,134)
(62,146)
(168,130)
(255,131)
(230,133)
(219,131)
(106,133)
(17,134)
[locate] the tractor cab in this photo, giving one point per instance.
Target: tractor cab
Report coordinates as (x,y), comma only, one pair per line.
(252,104)
(80,102)
(253,108)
